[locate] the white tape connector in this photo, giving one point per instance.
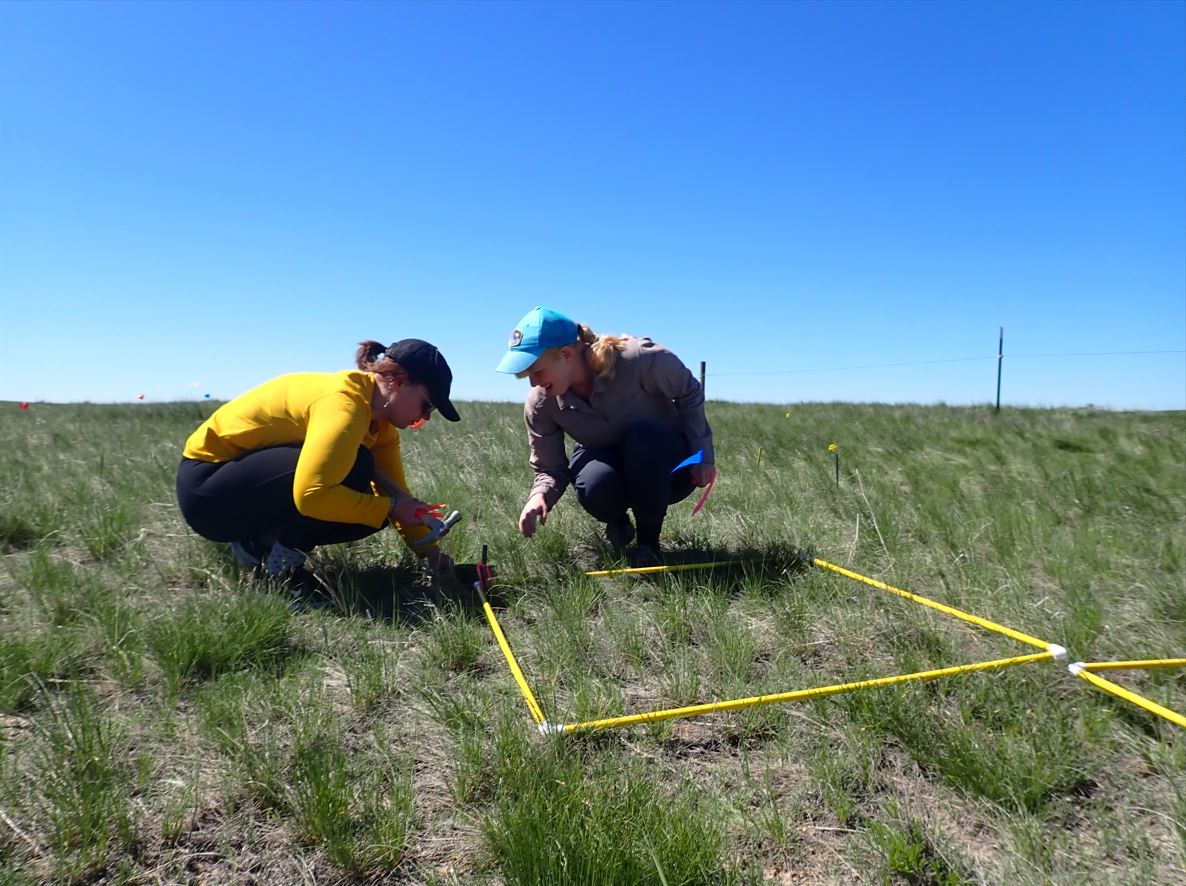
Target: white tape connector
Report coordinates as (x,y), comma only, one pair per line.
(546,728)
(1076,667)
(1059,652)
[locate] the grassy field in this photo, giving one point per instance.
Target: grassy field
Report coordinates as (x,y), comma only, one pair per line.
(165,721)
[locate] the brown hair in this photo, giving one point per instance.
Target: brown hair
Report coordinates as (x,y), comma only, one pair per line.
(371,356)
(601,352)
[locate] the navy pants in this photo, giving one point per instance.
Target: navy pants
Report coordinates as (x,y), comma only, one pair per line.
(250,499)
(635,474)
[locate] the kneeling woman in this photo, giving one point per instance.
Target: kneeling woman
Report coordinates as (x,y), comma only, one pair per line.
(635,412)
(289,465)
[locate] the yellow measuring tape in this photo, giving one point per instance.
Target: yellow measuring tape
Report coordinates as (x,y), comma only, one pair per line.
(949,610)
(536,713)
(1080,670)
(1051,651)
(798,695)
(651,570)
(1134,665)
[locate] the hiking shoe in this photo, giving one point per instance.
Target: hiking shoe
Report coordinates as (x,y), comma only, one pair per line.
(619,534)
(644,556)
(282,559)
(249,553)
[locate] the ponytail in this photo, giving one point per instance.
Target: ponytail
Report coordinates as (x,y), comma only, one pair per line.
(371,356)
(601,350)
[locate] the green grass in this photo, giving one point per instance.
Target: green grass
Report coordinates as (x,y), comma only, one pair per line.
(910,852)
(564,816)
(83,784)
(163,719)
(206,636)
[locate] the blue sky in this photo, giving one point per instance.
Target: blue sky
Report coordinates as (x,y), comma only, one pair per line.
(197,197)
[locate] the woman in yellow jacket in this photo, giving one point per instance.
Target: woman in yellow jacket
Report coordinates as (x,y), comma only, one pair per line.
(313,458)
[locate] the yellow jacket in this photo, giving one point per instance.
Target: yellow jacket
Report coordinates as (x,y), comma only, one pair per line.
(329,414)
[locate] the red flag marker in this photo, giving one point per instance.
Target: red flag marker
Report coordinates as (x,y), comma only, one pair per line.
(485,579)
(24,406)
(432,510)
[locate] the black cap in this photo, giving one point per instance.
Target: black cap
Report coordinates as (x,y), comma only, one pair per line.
(426,366)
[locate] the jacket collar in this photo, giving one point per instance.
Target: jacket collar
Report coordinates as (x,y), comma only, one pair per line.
(569,400)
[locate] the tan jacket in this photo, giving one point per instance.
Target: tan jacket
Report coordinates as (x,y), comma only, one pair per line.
(649,384)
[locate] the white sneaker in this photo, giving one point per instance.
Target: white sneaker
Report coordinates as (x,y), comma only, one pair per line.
(282,559)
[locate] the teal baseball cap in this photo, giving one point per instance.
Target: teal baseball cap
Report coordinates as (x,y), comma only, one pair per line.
(540,329)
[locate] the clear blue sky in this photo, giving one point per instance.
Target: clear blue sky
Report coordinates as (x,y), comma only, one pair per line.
(197,197)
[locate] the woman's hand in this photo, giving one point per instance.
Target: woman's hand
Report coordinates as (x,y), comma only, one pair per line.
(703,474)
(408,511)
(535,509)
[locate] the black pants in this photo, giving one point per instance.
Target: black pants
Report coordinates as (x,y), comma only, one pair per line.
(635,474)
(250,499)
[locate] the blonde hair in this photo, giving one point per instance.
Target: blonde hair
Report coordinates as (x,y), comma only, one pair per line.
(601,352)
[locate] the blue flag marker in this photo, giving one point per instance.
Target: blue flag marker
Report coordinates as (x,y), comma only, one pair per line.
(694,459)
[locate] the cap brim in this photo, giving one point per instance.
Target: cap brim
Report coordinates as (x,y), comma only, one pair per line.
(516,361)
(446,408)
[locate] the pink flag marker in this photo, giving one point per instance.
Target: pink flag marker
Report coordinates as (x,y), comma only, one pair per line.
(696,458)
(707,489)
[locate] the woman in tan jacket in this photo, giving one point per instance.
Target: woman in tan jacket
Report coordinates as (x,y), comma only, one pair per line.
(633,409)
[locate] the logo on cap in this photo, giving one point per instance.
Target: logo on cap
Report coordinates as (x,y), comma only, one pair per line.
(516,339)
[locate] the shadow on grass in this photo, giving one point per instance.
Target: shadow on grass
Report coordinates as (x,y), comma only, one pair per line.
(726,570)
(405,595)
(17,534)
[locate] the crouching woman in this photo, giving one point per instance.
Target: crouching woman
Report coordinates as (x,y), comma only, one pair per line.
(635,412)
(313,458)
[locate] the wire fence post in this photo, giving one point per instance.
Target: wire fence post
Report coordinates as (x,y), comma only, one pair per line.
(1000,361)
(702,367)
